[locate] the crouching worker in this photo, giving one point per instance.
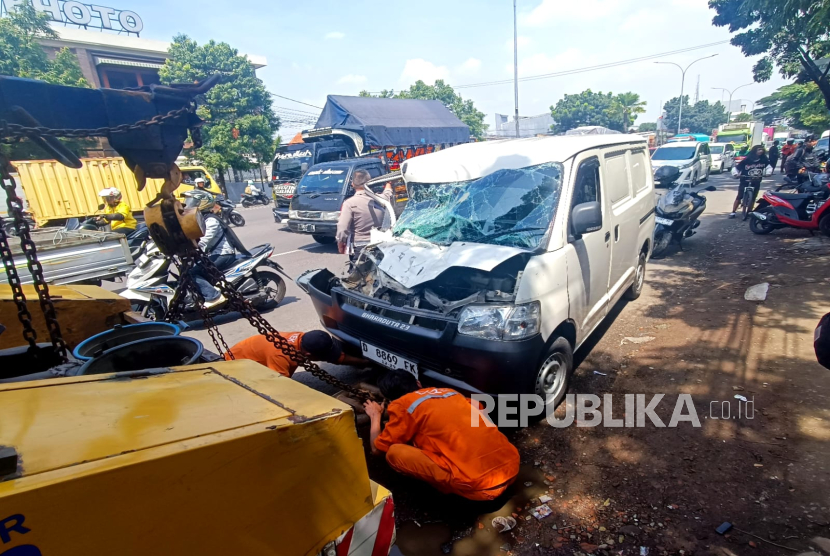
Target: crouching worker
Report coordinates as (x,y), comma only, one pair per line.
(317,345)
(430,436)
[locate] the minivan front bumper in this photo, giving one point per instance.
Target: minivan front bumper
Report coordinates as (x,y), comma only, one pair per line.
(443,355)
(326,228)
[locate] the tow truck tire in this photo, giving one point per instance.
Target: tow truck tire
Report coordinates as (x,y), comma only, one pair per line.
(324,240)
(267,278)
(554,373)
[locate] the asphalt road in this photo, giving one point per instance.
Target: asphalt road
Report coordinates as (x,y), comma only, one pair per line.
(297,253)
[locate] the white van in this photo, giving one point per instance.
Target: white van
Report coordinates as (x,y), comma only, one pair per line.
(508,255)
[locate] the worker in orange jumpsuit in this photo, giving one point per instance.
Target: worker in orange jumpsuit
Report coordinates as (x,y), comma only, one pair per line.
(317,345)
(430,436)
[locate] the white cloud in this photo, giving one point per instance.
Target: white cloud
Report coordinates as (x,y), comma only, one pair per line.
(520,41)
(551,12)
(352,78)
(643,19)
(335,35)
(419,68)
(540,63)
(470,67)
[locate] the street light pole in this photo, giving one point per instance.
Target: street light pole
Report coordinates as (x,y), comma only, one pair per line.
(682,84)
(516,67)
(729,110)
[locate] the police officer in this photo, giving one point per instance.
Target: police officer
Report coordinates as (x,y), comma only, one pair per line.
(359,215)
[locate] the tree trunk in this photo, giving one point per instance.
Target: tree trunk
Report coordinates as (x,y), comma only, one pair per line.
(816,75)
(220,180)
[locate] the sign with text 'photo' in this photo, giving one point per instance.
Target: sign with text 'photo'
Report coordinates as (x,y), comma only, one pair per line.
(82,15)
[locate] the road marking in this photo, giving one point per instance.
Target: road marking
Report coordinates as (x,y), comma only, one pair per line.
(296,251)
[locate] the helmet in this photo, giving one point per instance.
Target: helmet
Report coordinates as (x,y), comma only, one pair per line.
(201,200)
(251,183)
(110,192)
(199,182)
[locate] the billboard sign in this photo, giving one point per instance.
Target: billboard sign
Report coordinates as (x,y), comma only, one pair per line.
(71,12)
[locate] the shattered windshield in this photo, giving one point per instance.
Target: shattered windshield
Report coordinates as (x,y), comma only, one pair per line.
(508,207)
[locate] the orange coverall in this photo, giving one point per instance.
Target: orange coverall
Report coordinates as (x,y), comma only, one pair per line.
(430,436)
(258,348)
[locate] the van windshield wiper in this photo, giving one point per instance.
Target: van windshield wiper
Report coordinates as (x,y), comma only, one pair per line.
(506,232)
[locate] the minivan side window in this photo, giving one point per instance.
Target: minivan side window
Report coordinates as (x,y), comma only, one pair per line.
(729,149)
(704,148)
(639,173)
(616,174)
(586,188)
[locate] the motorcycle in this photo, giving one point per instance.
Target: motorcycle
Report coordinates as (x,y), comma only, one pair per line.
(150,286)
(229,213)
(255,198)
(136,240)
(677,211)
(8,225)
(807,211)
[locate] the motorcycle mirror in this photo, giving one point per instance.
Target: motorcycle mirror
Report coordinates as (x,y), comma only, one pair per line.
(711,188)
(100,207)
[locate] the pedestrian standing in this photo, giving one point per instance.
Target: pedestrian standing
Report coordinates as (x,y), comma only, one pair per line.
(359,215)
(786,151)
(773,155)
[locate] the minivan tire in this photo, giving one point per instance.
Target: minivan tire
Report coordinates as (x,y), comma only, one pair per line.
(634,291)
(554,373)
(324,240)
(708,170)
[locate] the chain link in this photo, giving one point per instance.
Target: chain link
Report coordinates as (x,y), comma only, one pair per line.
(16,130)
(238,302)
(15,208)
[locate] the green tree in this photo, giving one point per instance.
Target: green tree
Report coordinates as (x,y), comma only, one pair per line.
(791,34)
(239,119)
(464,110)
(742,117)
(631,105)
(702,117)
(801,105)
(647,126)
(587,108)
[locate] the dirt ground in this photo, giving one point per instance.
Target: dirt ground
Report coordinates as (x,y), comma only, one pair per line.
(662,491)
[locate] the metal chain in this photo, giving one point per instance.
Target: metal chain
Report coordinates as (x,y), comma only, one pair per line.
(23,314)
(238,302)
(16,130)
(15,208)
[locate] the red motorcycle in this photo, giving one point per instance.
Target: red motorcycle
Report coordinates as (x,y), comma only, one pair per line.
(808,211)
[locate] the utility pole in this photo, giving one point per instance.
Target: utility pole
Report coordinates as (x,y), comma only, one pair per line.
(682,83)
(516,66)
(697,90)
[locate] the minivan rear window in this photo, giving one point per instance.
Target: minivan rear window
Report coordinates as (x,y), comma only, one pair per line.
(674,153)
(324,180)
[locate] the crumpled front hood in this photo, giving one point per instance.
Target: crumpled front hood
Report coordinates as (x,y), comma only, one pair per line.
(410,261)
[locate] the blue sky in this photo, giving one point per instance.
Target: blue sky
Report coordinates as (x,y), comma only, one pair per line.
(332,47)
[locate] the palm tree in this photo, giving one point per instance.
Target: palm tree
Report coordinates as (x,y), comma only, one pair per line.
(631,106)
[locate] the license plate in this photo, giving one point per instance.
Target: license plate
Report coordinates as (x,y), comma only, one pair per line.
(389,360)
(284,189)
(664,221)
(306,227)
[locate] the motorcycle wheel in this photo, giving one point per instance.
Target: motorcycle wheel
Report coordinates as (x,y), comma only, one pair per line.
(246,203)
(150,310)
(824,225)
(267,278)
(237,219)
(762,227)
(661,244)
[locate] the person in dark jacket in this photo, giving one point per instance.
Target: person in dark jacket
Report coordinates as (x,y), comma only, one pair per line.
(787,151)
(751,169)
(773,155)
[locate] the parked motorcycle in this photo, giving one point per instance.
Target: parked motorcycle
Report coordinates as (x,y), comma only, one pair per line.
(677,211)
(229,213)
(807,211)
(150,286)
(8,224)
(255,198)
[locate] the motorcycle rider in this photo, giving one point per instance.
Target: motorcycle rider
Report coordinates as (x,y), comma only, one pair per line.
(117,212)
(219,243)
(802,158)
(751,171)
(786,152)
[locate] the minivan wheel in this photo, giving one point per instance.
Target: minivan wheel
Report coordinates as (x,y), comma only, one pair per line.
(634,291)
(708,170)
(325,240)
(554,373)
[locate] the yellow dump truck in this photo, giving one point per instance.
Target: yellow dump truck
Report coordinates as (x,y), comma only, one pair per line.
(57,192)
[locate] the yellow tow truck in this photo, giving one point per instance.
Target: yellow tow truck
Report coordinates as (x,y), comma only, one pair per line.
(217,457)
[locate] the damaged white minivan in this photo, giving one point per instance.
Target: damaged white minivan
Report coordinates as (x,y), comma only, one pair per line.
(506,258)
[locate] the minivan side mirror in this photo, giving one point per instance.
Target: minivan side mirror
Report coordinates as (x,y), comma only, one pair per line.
(586,218)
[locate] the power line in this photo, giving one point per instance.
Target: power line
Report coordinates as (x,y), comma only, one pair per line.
(294,100)
(591,68)
(294,111)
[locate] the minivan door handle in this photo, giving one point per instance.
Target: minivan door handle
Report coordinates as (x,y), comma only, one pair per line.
(607,237)
(617,232)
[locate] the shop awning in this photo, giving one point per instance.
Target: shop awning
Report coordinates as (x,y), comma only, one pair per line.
(99,61)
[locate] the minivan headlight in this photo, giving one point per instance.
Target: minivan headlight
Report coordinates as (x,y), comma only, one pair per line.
(292,214)
(333,215)
(500,322)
